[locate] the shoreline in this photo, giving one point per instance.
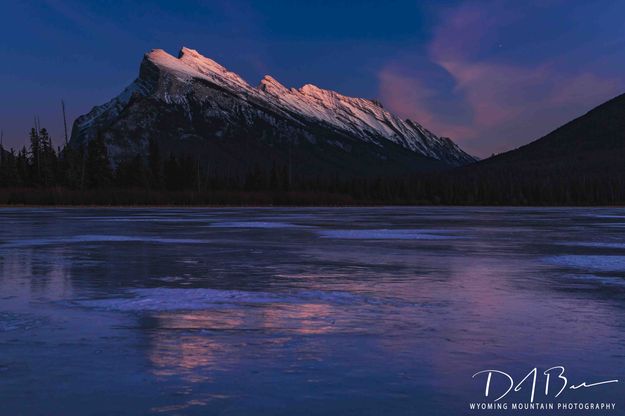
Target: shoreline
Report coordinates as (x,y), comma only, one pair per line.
(145,198)
(260,206)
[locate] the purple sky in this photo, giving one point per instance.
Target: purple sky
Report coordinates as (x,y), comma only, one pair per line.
(492,75)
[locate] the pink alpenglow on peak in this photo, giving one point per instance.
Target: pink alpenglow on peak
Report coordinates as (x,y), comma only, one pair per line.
(190,64)
(271,86)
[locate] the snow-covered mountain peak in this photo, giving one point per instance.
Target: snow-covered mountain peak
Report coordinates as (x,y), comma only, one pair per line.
(161,58)
(179,80)
(313,90)
(334,99)
(191,64)
(203,64)
(270,85)
(364,118)
(190,53)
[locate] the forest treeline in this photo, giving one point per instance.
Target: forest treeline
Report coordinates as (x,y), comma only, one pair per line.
(84,175)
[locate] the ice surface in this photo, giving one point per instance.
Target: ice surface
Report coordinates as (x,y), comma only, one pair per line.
(306,315)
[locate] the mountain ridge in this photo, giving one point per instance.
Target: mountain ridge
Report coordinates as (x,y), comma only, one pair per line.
(601,129)
(175,81)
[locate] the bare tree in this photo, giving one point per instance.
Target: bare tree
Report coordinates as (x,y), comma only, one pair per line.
(64,120)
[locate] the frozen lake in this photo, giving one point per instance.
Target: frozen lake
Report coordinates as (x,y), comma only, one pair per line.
(315,311)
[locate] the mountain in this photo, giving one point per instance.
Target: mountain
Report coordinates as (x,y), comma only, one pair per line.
(191,105)
(593,142)
(581,162)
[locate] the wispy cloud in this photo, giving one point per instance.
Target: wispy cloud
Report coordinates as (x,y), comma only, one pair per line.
(510,103)
(411,97)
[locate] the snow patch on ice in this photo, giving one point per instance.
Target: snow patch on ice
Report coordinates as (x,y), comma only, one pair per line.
(386,234)
(10,321)
(595,244)
(99,239)
(169,299)
(147,219)
(590,262)
(254,224)
(602,280)
(611,216)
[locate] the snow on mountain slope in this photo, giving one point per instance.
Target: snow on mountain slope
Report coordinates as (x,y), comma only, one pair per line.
(357,117)
(191,65)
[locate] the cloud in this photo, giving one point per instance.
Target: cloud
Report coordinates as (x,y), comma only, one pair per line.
(410,97)
(510,103)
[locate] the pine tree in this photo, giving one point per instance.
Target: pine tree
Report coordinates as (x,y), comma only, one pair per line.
(98,173)
(47,159)
(131,173)
(171,173)
(35,157)
(154,160)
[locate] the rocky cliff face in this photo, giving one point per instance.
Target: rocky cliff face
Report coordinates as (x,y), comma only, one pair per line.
(193,105)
